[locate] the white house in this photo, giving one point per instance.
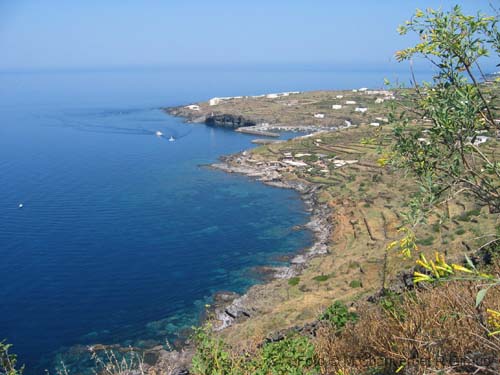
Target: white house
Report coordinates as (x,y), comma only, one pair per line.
(350,102)
(363,89)
(379,92)
(379,101)
(374,123)
(336,106)
(271,96)
(193,107)
(480,139)
(214,101)
(339,96)
(361,109)
(319,115)
(295,163)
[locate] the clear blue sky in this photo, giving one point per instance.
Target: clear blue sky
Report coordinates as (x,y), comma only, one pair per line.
(109,33)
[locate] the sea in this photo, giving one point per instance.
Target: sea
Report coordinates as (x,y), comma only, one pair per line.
(110,234)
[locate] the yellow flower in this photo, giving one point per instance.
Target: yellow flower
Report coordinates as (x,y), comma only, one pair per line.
(494,321)
(419,277)
(460,268)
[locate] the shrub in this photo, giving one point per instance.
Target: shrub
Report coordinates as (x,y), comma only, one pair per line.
(291,356)
(321,278)
(339,315)
(392,303)
(8,361)
(294,281)
(212,356)
(356,284)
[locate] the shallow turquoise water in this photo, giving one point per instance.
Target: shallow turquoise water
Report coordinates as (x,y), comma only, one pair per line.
(123,237)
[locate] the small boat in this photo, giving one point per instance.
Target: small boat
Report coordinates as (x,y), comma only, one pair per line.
(171,139)
(20,205)
(159,134)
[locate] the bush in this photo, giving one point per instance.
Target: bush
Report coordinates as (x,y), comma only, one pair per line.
(339,315)
(321,278)
(8,361)
(293,355)
(212,356)
(294,281)
(392,303)
(356,284)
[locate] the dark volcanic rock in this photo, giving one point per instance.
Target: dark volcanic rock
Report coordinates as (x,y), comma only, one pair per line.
(229,121)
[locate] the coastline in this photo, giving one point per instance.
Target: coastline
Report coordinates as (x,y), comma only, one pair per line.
(243,306)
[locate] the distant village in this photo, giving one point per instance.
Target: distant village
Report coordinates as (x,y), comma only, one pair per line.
(380,97)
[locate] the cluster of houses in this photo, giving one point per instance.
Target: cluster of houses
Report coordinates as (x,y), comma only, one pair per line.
(216,100)
(386,95)
(291,161)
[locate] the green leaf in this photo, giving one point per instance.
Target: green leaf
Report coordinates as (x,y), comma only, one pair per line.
(469,262)
(480,296)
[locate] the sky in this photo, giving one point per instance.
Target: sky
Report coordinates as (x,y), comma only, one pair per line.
(76,34)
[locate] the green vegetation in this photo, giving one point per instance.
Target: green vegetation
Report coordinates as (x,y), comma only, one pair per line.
(212,355)
(427,241)
(321,278)
(8,361)
(356,284)
(294,281)
(468,215)
(444,154)
(339,315)
(292,355)
(393,304)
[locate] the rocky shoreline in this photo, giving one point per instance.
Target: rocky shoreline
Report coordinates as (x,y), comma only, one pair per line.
(236,308)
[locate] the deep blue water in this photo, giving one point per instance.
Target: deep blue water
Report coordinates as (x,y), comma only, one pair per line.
(123,237)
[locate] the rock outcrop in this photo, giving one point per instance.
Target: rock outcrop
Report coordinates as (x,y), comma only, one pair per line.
(229,121)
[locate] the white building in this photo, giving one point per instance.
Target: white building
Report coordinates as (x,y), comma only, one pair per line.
(336,106)
(363,89)
(271,96)
(214,101)
(361,109)
(295,163)
(193,107)
(350,102)
(339,96)
(379,101)
(319,115)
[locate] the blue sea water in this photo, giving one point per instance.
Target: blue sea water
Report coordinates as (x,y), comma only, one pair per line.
(123,237)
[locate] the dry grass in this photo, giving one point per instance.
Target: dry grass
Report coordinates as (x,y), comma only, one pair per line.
(431,330)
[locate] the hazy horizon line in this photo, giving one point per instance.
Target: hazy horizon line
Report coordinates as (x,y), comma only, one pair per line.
(230,66)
